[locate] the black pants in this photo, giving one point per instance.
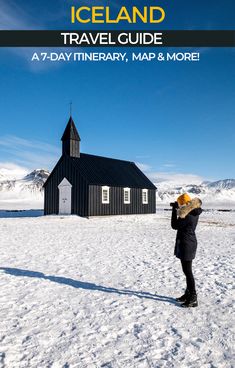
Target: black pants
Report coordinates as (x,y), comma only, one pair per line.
(187,270)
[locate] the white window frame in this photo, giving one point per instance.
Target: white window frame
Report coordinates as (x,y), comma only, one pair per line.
(105,200)
(128,191)
(145,196)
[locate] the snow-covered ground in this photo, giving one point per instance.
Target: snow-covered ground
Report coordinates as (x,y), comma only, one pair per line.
(100,293)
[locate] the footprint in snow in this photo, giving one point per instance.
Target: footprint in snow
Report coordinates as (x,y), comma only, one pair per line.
(176,332)
(2,358)
(106,365)
(137,330)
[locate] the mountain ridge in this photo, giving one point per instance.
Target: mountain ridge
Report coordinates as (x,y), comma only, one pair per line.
(27,192)
(220,193)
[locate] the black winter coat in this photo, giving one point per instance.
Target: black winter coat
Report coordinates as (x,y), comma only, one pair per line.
(186,241)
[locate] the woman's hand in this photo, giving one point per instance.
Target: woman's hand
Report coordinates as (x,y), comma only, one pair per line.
(174,205)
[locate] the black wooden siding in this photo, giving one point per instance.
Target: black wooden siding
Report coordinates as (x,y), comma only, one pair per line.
(71,148)
(79,189)
(116,204)
(84,172)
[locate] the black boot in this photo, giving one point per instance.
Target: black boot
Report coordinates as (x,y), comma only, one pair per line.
(184,297)
(191,301)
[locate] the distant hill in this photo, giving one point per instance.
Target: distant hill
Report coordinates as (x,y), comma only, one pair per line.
(27,192)
(24,193)
(218,194)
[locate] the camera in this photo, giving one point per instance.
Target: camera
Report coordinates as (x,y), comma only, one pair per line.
(174,204)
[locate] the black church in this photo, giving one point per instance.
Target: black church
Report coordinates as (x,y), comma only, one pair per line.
(89,185)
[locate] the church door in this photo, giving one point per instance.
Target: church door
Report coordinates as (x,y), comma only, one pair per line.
(65,197)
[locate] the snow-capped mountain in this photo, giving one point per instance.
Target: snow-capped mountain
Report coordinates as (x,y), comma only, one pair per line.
(222,184)
(38,175)
(24,193)
(32,182)
(27,192)
(218,194)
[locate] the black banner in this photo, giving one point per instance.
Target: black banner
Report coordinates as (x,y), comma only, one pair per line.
(38,38)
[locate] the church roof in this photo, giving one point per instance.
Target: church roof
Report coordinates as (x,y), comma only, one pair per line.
(70,131)
(98,170)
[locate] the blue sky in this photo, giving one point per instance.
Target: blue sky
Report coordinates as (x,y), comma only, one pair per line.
(174,119)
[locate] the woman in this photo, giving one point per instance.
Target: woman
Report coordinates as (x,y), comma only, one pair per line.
(184,219)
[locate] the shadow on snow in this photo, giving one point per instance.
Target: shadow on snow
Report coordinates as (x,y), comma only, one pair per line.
(87,285)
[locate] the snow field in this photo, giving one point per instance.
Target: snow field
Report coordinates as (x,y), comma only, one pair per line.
(100,293)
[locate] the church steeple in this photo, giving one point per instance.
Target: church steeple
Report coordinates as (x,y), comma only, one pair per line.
(71,140)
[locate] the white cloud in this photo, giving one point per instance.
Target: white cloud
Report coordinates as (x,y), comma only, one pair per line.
(169,165)
(172,178)
(18,142)
(143,167)
(12,16)
(9,170)
(175,178)
(32,154)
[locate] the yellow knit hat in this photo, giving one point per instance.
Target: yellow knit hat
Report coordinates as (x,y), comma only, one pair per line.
(183,199)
